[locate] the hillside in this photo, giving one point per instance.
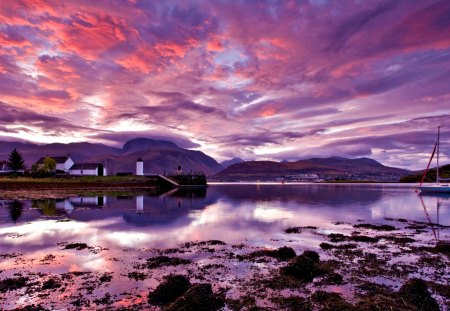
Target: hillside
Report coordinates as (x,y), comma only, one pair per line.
(312,169)
(158,155)
(444,172)
(227,163)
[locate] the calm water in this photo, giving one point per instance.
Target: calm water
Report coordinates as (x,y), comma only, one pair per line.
(256,213)
(124,230)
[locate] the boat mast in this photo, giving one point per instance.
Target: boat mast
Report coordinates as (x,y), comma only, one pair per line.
(437,169)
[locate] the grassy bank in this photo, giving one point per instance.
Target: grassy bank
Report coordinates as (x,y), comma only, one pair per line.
(24,187)
(73,179)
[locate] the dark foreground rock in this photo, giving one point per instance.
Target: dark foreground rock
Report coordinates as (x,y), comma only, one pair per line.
(376,227)
(283,253)
(161,261)
(304,267)
(12,284)
(443,247)
(52,283)
(169,290)
(416,293)
(76,246)
(199,297)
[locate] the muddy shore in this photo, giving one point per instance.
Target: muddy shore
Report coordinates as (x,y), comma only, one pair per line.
(60,188)
(367,267)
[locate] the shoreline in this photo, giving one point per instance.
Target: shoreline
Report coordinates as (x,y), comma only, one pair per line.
(366,267)
(22,188)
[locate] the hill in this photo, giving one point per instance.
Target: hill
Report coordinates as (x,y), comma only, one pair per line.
(158,155)
(314,169)
(444,172)
(227,163)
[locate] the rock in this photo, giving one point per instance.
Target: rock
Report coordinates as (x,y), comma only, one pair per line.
(169,290)
(162,261)
(304,267)
(51,284)
(443,247)
(363,238)
(326,246)
(199,297)
(283,253)
(415,291)
(76,246)
(12,284)
(376,227)
(105,278)
(293,230)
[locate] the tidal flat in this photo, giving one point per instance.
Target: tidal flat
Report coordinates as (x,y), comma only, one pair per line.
(230,247)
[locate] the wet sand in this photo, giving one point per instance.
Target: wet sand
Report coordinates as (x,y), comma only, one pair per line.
(359,266)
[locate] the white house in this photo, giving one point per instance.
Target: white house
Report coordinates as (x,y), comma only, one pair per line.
(87,169)
(4,168)
(62,163)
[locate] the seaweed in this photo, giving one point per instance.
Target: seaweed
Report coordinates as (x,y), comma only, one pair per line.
(163,261)
(170,289)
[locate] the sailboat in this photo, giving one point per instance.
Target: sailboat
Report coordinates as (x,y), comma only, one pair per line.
(437,187)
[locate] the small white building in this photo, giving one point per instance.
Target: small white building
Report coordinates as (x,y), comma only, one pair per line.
(4,168)
(87,169)
(62,163)
(140,167)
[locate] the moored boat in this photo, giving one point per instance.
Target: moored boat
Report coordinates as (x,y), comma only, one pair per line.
(437,187)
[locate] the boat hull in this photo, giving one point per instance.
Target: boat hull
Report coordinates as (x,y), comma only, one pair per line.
(435,188)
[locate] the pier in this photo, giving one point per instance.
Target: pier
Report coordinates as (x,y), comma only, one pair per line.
(195,180)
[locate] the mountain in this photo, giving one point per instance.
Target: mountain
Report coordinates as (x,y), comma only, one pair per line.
(334,168)
(80,152)
(414,177)
(227,163)
(158,155)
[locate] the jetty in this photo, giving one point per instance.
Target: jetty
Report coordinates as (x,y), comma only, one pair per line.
(192,180)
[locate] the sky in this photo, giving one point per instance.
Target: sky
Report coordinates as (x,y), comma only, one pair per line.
(269,80)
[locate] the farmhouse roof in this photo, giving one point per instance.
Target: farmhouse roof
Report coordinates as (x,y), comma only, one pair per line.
(85,166)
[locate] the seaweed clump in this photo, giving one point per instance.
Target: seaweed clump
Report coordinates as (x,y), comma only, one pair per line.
(162,261)
(199,297)
(415,291)
(76,246)
(169,290)
(304,267)
(12,284)
(331,301)
(376,227)
(283,253)
(52,283)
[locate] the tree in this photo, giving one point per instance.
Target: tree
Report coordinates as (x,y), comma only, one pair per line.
(16,161)
(49,164)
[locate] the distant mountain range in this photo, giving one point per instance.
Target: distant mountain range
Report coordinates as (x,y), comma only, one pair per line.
(158,155)
(227,163)
(334,168)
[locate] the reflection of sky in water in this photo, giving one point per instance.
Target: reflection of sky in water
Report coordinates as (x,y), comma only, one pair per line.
(231,213)
(256,215)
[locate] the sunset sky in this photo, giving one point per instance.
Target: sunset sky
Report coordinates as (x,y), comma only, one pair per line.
(251,79)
